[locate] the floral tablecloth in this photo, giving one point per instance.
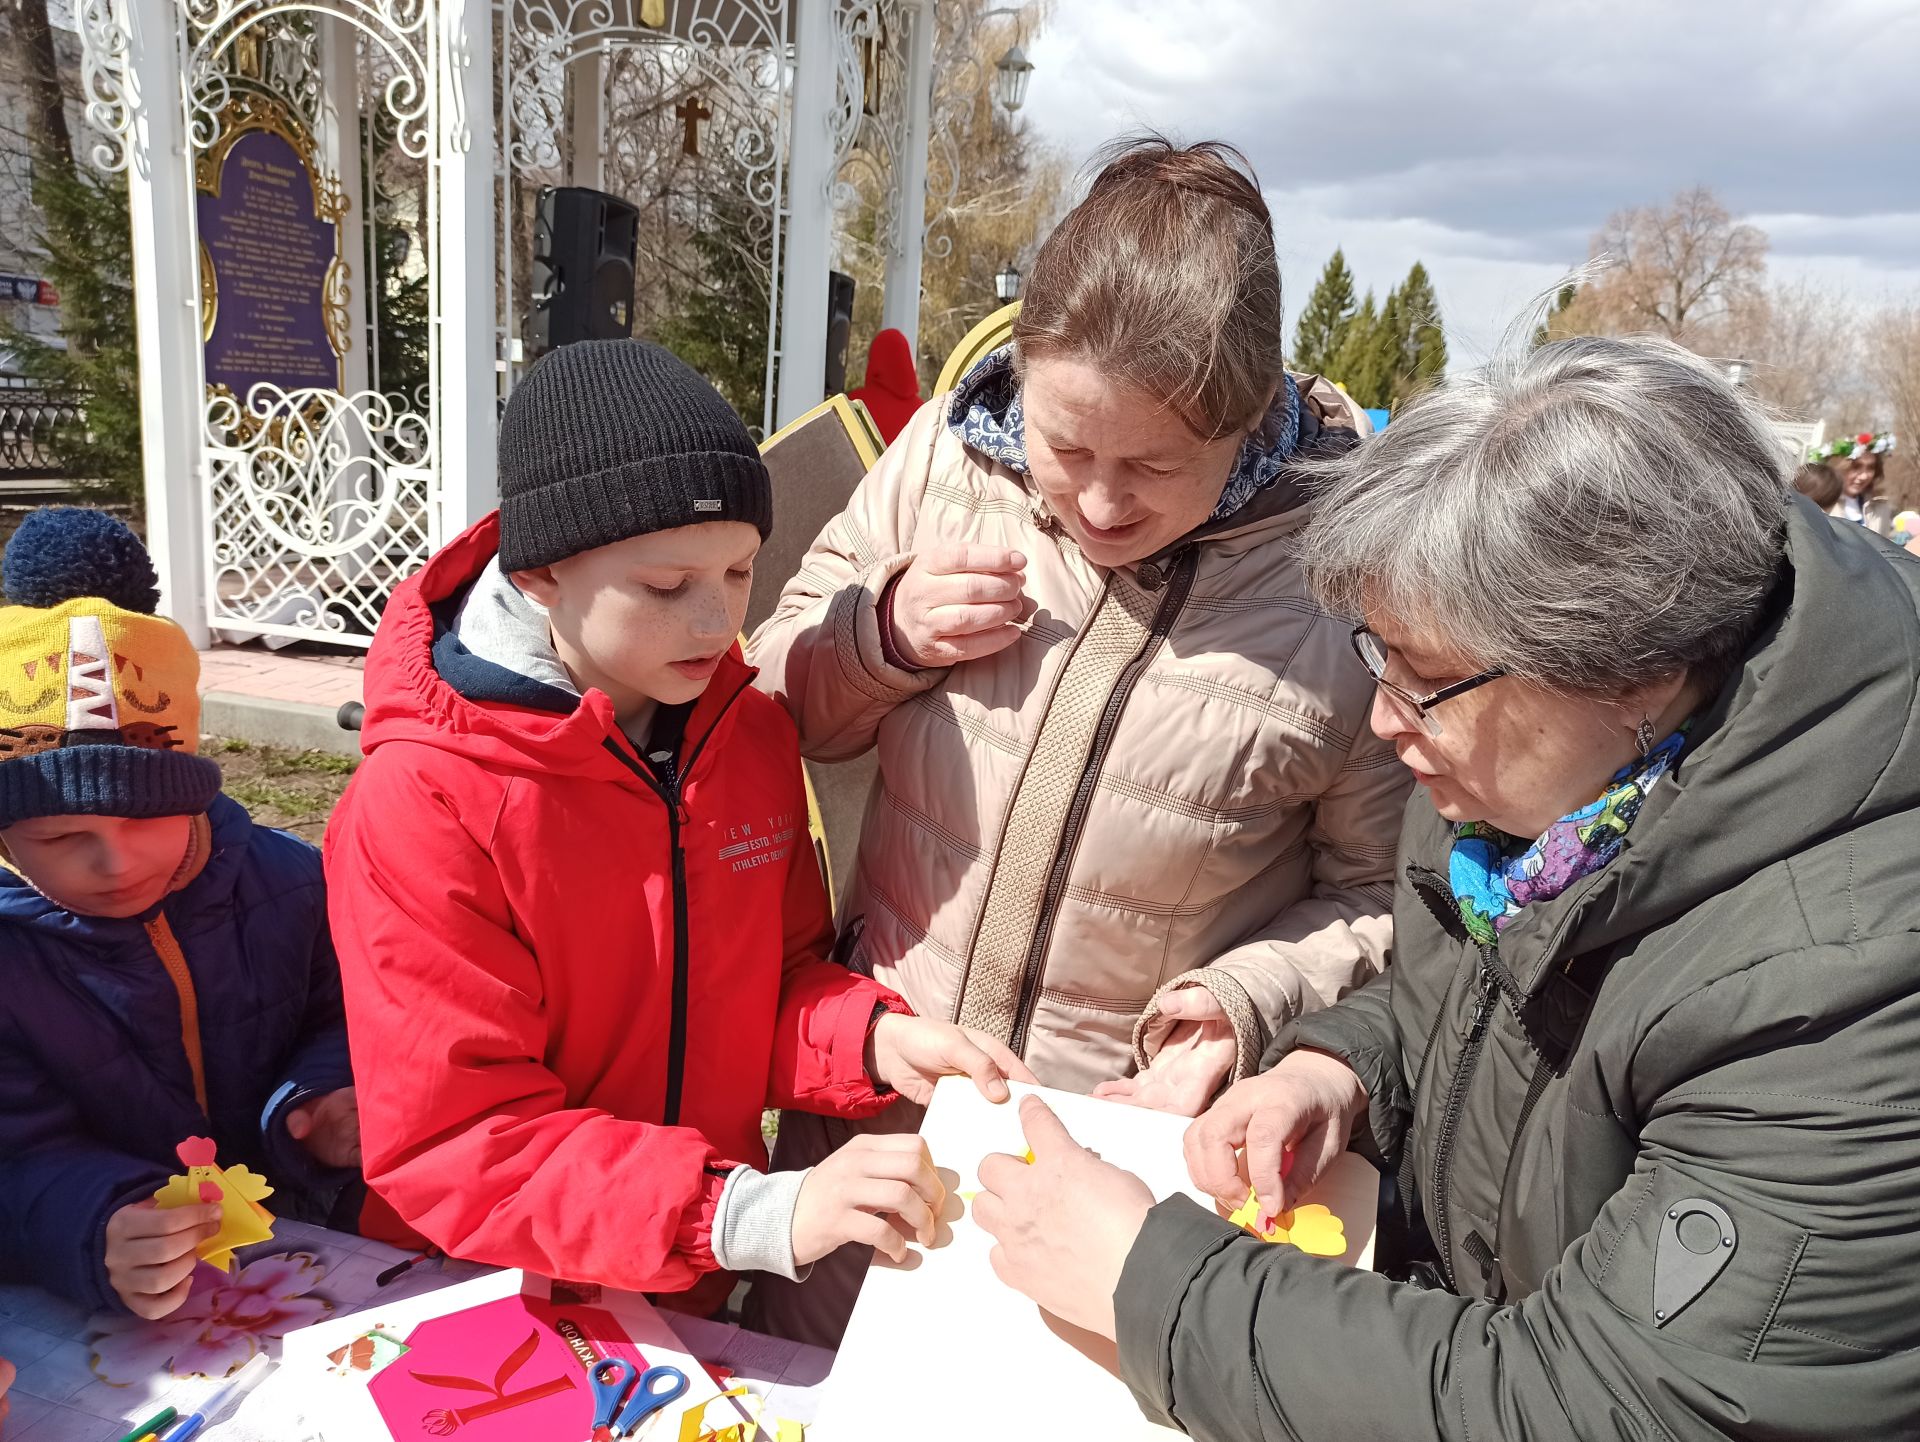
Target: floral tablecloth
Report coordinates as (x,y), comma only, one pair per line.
(93,1377)
(90,1378)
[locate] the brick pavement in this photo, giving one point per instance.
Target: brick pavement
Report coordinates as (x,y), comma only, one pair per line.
(256,672)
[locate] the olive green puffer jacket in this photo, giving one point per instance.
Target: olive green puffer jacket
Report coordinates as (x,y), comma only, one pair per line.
(1666,1140)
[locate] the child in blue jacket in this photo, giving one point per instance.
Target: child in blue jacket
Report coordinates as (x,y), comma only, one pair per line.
(165,966)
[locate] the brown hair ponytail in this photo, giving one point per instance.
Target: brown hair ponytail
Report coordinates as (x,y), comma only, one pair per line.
(1165,277)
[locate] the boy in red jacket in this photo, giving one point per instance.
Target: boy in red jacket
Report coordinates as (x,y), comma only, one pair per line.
(578,914)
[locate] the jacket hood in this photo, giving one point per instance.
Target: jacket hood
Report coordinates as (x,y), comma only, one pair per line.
(1813,736)
(408,698)
(232,836)
(890,366)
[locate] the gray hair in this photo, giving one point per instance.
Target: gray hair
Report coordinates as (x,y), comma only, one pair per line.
(1593,515)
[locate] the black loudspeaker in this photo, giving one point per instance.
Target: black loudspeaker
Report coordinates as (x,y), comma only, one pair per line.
(839,329)
(584,247)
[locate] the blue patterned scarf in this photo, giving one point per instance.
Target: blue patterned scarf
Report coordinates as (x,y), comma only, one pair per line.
(986,416)
(1494,875)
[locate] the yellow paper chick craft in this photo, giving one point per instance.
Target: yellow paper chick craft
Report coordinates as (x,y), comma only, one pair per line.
(243,1221)
(1312,1228)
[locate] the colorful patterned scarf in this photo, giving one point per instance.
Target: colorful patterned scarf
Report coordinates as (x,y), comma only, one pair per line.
(1494,874)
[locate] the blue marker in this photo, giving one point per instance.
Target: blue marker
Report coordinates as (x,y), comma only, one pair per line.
(193,1422)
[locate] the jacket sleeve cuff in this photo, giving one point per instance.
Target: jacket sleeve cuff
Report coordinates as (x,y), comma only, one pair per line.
(753,1230)
(854,1091)
(854,616)
(292,1163)
(885,621)
(1174,1244)
(1378,1132)
(1250,1030)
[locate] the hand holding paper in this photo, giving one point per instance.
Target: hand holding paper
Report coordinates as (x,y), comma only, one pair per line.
(1306,1104)
(151,1253)
(237,1191)
(911,1053)
(1063,1223)
(879,1189)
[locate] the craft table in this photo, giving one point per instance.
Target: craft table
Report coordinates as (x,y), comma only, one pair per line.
(92,1377)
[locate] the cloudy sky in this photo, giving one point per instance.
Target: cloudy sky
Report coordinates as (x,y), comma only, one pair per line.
(1490,139)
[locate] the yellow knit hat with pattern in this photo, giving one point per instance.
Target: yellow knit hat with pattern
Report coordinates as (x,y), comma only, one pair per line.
(99,697)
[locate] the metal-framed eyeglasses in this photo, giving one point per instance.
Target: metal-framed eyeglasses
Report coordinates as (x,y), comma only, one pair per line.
(1372,652)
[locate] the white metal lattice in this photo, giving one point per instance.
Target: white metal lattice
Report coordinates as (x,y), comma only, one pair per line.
(734,51)
(320,504)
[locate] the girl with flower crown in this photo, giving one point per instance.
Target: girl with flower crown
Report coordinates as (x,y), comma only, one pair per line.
(1861,461)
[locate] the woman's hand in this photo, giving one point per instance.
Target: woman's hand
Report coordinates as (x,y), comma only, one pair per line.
(1307,1105)
(1193,1063)
(1064,1224)
(877,1189)
(150,1253)
(328,1127)
(910,1053)
(958,603)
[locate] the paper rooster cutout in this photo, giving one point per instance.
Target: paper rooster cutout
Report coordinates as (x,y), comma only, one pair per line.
(1311,1228)
(243,1221)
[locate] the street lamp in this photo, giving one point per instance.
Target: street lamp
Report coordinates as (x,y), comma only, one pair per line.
(1011,73)
(1006,283)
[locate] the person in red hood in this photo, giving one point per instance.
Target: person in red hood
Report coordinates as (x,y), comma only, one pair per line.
(892,392)
(579,919)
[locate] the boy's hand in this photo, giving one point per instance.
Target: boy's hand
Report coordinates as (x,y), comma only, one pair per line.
(910,1053)
(150,1253)
(6,1381)
(328,1127)
(877,1189)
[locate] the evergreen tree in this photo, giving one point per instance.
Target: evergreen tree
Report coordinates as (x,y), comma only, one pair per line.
(401,318)
(1392,339)
(1422,345)
(718,323)
(400,365)
(1323,324)
(1359,365)
(1553,326)
(86,235)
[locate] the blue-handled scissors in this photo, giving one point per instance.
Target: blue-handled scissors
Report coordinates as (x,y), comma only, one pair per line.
(625,1397)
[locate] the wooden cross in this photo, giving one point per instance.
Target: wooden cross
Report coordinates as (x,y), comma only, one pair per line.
(692,111)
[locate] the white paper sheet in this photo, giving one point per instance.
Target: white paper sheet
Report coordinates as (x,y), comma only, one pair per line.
(940,1349)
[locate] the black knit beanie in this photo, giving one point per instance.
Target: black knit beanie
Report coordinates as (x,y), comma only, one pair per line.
(609,439)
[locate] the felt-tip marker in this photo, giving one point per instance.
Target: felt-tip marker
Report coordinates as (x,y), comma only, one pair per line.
(152,1425)
(192,1424)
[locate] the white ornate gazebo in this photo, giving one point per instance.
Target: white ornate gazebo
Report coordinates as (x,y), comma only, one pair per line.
(290,512)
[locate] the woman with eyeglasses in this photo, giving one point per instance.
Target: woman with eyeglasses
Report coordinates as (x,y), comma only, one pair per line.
(1644,1067)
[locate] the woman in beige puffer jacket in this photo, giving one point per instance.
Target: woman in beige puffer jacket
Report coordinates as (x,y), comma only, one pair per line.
(1142,822)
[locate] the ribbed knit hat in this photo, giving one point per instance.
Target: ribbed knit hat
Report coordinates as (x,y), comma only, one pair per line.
(609,439)
(103,696)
